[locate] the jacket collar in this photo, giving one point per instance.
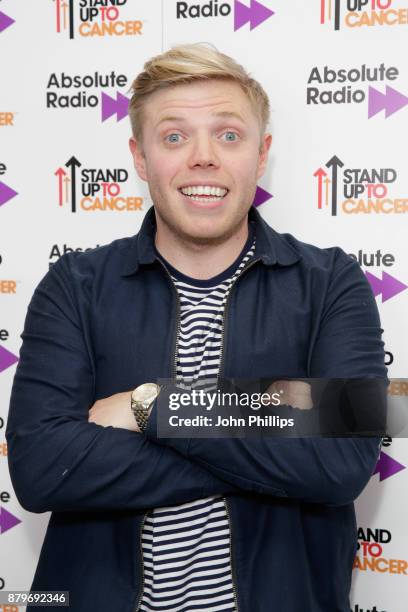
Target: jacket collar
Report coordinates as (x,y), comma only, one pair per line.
(271,246)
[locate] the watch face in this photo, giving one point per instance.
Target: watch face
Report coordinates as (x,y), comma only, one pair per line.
(145,393)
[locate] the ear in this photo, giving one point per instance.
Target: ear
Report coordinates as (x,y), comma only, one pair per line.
(263,154)
(139,159)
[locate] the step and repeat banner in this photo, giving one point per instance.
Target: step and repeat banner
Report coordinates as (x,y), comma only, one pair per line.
(336,72)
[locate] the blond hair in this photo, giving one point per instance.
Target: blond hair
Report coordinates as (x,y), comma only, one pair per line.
(188,63)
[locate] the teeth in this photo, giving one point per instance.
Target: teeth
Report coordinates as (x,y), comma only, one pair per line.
(204,190)
(205,198)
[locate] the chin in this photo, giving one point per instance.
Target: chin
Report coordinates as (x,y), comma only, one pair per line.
(209,234)
(209,238)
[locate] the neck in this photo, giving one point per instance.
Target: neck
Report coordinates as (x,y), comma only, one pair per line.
(201,261)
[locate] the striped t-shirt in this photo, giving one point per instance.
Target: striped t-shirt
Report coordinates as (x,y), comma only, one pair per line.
(186,548)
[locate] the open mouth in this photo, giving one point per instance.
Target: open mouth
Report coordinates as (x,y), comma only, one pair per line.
(204,193)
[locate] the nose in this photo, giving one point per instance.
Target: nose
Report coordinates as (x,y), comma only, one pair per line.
(203,153)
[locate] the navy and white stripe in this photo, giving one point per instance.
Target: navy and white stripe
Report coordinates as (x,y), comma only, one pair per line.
(186,548)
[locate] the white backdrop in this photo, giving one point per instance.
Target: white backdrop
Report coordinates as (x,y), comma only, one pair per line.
(63,89)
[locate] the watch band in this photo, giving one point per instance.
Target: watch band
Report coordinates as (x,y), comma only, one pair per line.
(142,417)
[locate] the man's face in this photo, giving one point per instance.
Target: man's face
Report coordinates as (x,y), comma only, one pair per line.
(202,134)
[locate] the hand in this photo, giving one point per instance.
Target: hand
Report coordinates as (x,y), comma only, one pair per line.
(295,393)
(114,410)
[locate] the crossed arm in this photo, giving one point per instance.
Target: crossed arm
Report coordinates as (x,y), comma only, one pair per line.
(67,453)
(59,458)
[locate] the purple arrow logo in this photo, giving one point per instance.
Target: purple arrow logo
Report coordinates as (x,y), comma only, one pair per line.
(7,520)
(256,14)
(7,359)
(110,106)
(387,286)
(5,21)
(392,101)
(261,196)
(387,466)
(6,193)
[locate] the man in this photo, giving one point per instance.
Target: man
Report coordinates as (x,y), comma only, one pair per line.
(206,289)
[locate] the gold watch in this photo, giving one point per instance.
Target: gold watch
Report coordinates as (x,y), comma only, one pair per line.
(142,399)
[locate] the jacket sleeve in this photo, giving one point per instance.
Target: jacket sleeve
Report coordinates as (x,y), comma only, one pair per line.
(332,471)
(58,461)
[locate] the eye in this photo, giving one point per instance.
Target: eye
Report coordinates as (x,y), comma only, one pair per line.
(231,136)
(173,138)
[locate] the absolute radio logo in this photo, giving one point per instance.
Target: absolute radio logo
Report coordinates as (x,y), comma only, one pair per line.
(7,358)
(5,21)
(6,192)
(362,13)
(373,259)
(357,190)
(7,520)
(328,86)
(386,465)
(261,196)
(58,251)
(254,14)
(72,91)
(371,555)
(94,189)
(98,18)
(388,286)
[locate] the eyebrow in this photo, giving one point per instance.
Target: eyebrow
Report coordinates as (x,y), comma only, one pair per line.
(219,114)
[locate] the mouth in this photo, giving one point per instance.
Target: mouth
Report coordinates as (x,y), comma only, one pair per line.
(204,194)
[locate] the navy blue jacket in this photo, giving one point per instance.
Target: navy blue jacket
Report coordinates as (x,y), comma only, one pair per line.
(105,321)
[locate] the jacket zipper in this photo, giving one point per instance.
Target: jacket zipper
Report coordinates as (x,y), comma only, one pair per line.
(175,376)
(232,557)
(141,565)
(174,288)
(224,318)
(251,263)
